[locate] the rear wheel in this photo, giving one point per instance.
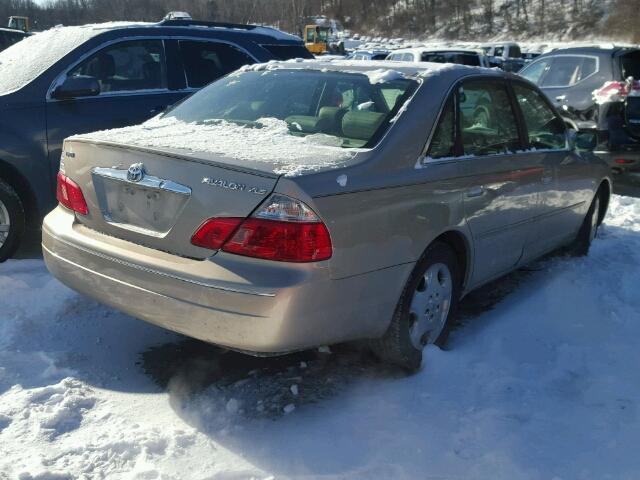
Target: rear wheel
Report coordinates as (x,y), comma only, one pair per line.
(12,221)
(589,229)
(424,310)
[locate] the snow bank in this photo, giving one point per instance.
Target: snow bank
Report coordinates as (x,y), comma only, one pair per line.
(271,145)
(529,388)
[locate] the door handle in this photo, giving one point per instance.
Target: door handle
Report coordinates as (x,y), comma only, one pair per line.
(546,179)
(561,98)
(158,109)
(476,191)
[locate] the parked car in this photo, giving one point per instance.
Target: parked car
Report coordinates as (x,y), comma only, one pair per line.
(9,36)
(596,88)
(470,57)
(298,204)
(78,79)
(529,57)
(368,55)
(504,55)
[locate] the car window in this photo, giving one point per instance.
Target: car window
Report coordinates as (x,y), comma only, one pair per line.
(286,52)
(514,51)
(126,66)
(443,140)
(535,71)
(568,70)
(630,65)
(488,124)
(544,128)
(205,62)
(498,51)
(343,109)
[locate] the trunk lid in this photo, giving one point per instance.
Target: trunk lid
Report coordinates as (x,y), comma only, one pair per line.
(159,198)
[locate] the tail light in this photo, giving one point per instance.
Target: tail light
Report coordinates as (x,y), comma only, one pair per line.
(70,195)
(282,229)
(623,161)
(617,91)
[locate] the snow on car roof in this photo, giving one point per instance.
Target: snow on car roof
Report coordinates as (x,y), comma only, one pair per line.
(372,68)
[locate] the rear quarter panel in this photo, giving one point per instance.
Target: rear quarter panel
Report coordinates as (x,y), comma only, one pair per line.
(384,211)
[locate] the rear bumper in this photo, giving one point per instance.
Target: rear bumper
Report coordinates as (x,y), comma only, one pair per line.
(237,302)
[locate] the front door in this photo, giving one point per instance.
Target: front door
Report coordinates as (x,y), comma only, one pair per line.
(566,184)
(133,83)
(501,195)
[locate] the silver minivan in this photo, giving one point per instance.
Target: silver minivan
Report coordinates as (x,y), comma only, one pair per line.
(303,203)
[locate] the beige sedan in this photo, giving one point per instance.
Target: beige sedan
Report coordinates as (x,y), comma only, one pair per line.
(297,204)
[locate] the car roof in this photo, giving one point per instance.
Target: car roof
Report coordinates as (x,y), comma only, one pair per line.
(427,49)
(590,49)
(376,67)
(193,26)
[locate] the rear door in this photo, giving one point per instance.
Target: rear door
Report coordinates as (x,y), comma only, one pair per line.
(567,81)
(566,181)
(501,196)
(134,87)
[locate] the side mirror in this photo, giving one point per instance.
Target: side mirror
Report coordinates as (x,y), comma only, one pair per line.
(77,86)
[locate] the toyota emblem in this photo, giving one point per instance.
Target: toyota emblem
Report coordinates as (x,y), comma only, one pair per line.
(135,173)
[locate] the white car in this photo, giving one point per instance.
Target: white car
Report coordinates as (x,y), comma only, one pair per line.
(460,56)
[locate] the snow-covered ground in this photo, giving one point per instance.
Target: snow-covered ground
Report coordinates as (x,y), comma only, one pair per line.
(543,384)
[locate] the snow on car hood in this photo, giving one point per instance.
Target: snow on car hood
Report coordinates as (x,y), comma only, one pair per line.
(268,147)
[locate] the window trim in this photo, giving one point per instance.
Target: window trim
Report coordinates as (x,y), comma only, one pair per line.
(424,160)
(163,38)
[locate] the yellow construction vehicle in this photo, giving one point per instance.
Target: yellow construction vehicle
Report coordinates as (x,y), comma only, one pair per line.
(19,23)
(316,39)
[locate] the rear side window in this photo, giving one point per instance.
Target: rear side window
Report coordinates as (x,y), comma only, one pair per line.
(488,124)
(205,62)
(127,66)
(443,140)
(514,51)
(452,57)
(544,128)
(566,71)
(287,52)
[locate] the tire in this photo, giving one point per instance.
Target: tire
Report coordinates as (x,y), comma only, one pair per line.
(588,230)
(404,340)
(12,221)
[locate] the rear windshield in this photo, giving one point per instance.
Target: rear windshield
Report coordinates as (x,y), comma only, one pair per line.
(346,109)
(630,64)
(461,58)
(27,59)
(287,52)
(514,51)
